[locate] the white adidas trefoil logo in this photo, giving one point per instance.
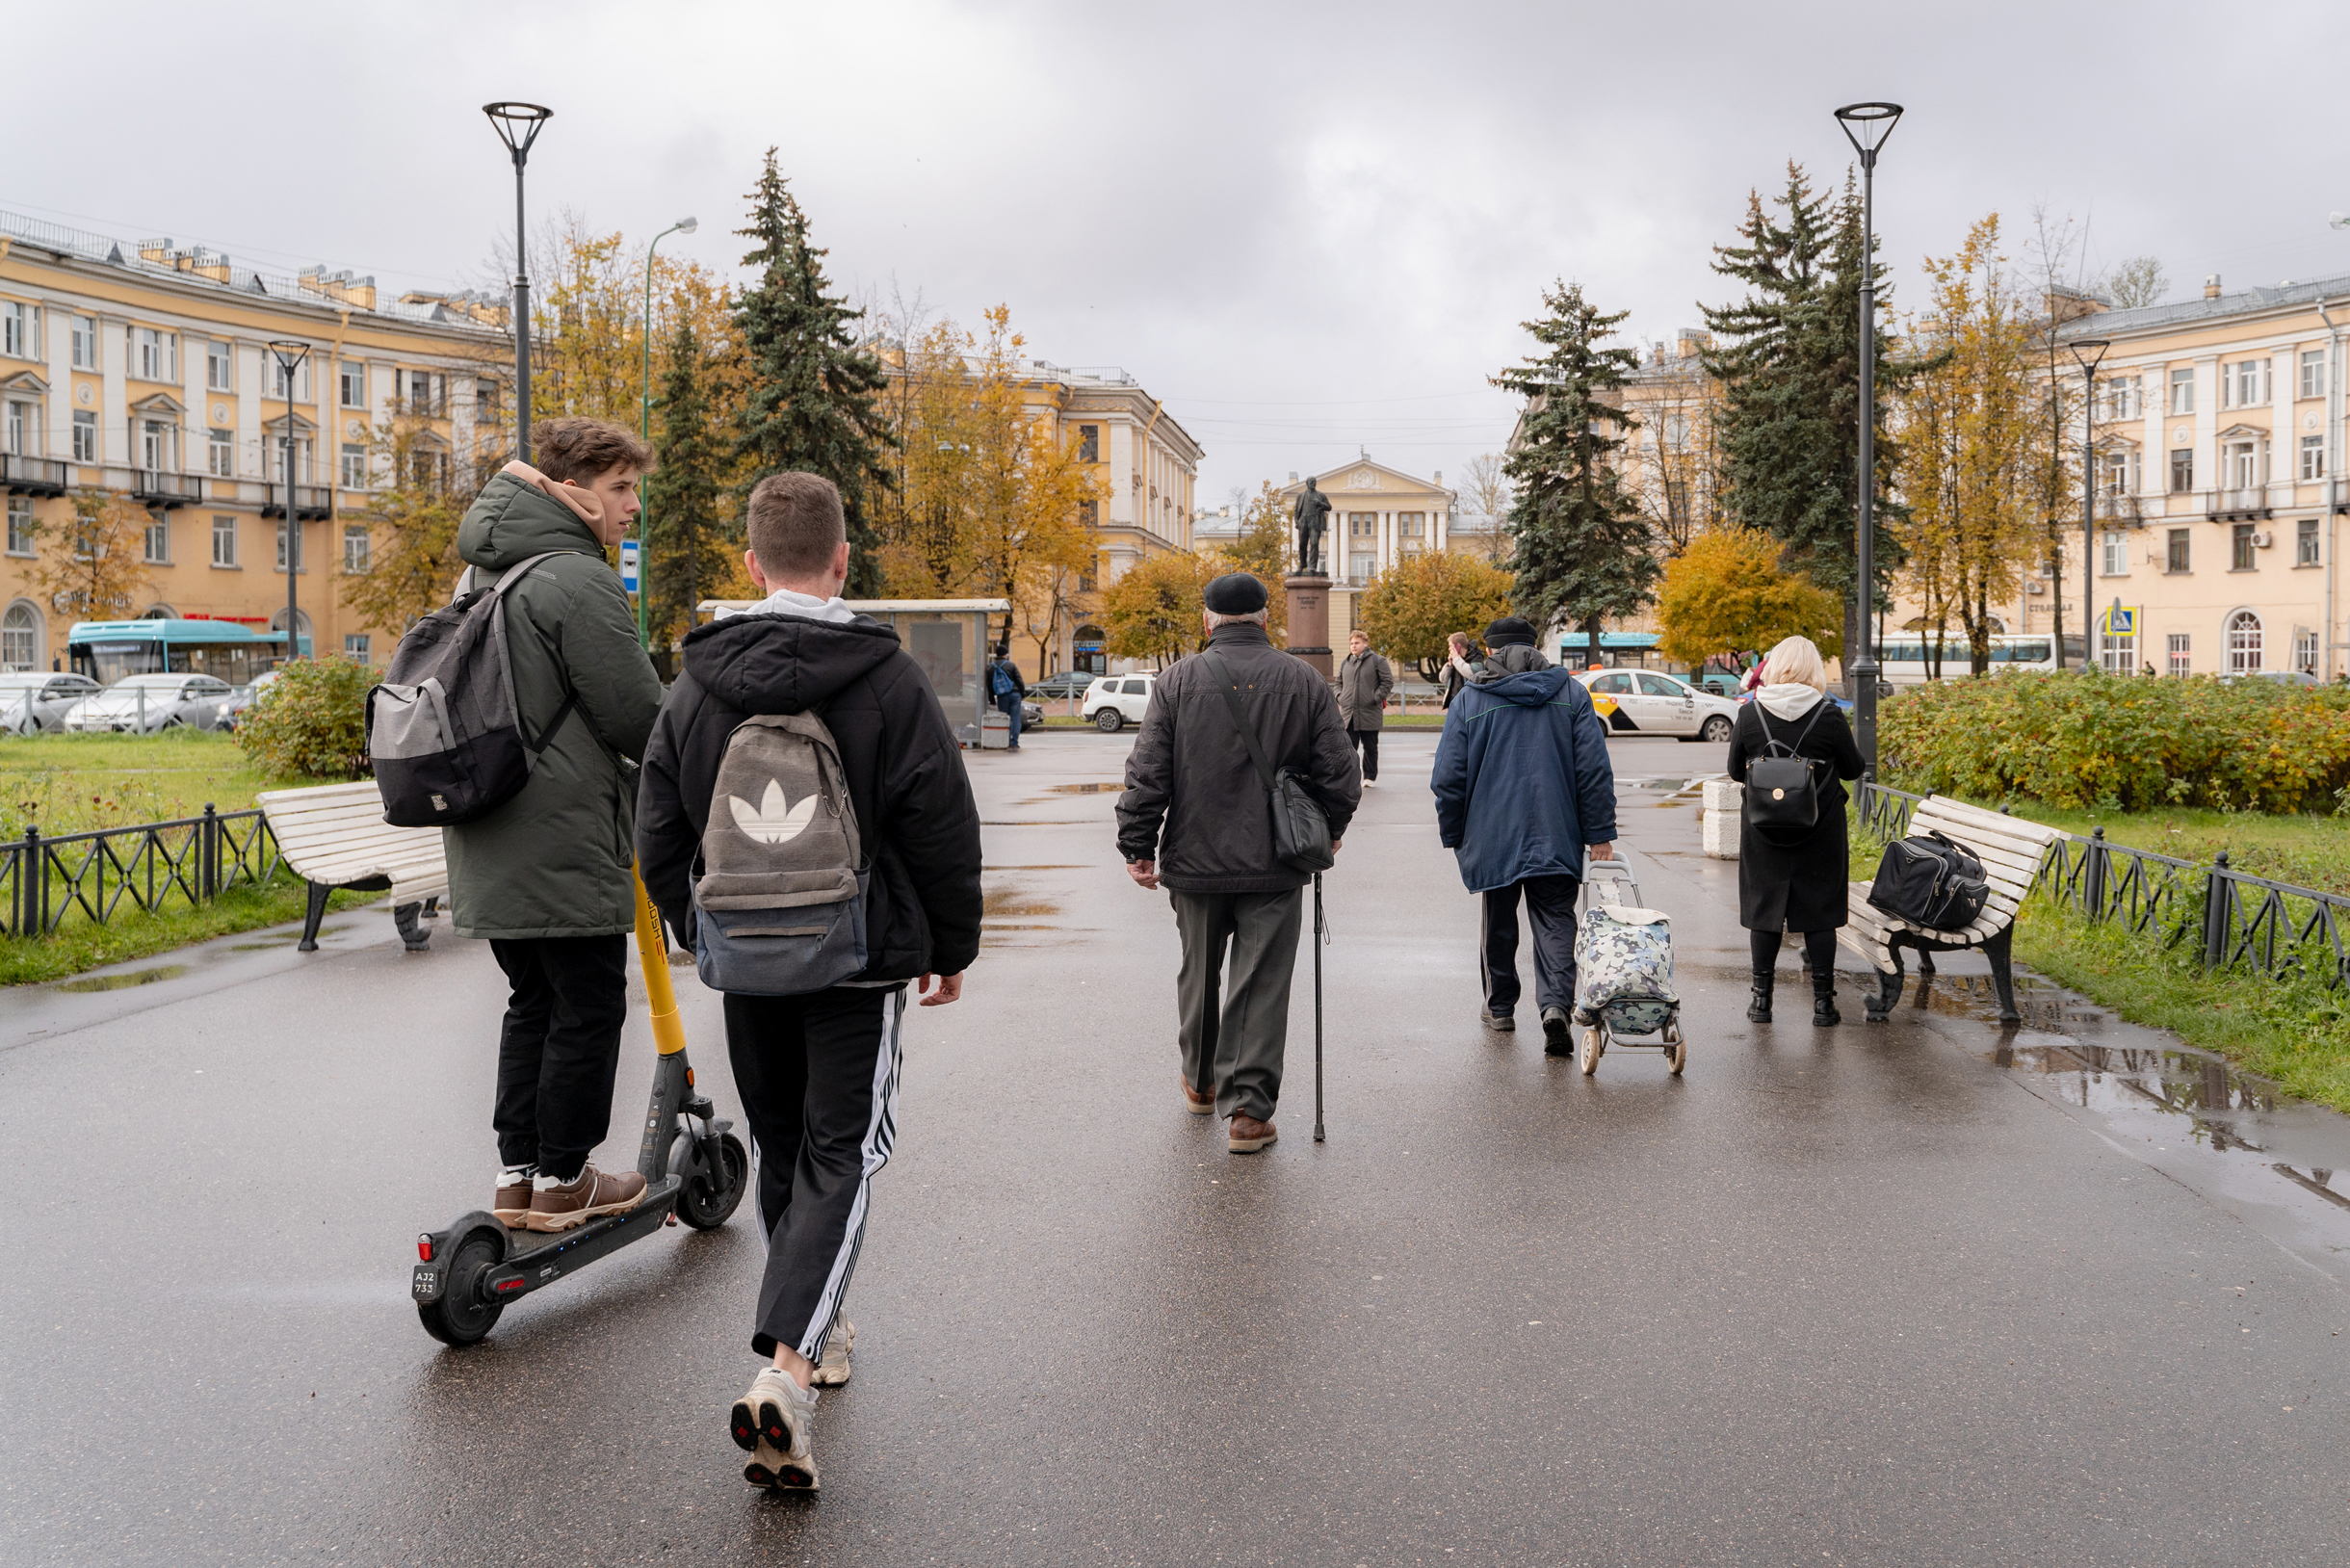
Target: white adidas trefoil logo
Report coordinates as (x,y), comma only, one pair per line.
(771,822)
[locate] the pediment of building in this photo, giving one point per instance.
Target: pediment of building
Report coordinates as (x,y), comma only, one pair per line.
(1364,478)
(25,381)
(159,406)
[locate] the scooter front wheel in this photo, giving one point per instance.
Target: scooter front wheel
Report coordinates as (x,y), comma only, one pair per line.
(465,1313)
(707,1197)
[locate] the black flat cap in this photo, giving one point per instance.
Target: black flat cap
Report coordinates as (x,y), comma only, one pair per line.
(1508,630)
(1237,593)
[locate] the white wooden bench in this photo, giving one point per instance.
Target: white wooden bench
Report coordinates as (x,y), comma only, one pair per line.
(334,835)
(2010,850)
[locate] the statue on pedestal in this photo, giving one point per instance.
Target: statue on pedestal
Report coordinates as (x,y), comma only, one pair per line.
(1312,514)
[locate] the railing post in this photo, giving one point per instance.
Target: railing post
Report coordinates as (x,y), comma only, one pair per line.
(33,876)
(2093,875)
(208,855)
(2218,891)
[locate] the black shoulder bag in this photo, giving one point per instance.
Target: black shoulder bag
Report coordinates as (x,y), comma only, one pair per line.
(1781,789)
(1301,833)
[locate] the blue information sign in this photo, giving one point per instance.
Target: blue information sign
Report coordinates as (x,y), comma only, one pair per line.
(628,564)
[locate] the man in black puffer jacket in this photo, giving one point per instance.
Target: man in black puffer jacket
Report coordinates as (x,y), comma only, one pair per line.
(818,1073)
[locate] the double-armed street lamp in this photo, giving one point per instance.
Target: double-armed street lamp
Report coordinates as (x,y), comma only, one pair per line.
(644,433)
(518,125)
(1867,125)
(2088,352)
(289,355)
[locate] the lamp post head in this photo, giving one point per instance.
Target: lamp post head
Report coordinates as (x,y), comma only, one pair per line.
(1867,125)
(518,125)
(2087,352)
(687,226)
(289,353)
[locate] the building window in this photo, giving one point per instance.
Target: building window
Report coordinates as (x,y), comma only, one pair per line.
(2239,548)
(221,452)
(2181,540)
(2304,542)
(357,646)
(2312,456)
(2116,655)
(159,538)
(2118,398)
(83,336)
(2245,383)
(19,329)
(2305,652)
(2182,391)
(20,525)
(221,366)
(422,392)
(276,371)
(486,402)
(20,430)
(2243,644)
(156,439)
(152,353)
(2180,653)
(2116,554)
(281,550)
(2245,465)
(2313,372)
(354,548)
(277,460)
(2118,472)
(2183,469)
(224,541)
(353,383)
(355,468)
(21,639)
(85,438)
(1362,525)
(1411,525)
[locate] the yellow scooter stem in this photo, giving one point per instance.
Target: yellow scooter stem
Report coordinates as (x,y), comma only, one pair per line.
(653,955)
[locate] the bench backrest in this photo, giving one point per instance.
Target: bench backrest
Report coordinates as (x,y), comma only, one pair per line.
(2009,848)
(335,826)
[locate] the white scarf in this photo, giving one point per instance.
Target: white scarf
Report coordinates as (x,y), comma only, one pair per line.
(806,606)
(1789,700)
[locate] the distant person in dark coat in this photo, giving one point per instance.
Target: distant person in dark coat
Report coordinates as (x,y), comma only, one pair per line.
(1010,691)
(1365,680)
(1524,786)
(1795,878)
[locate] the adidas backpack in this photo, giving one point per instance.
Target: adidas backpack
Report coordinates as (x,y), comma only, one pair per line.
(779,884)
(442,727)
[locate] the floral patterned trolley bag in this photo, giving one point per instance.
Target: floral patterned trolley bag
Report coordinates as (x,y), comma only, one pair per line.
(1624,971)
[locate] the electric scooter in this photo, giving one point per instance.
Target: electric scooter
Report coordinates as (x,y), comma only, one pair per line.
(694,1169)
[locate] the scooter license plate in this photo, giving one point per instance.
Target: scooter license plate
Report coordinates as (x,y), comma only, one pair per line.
(425,1286)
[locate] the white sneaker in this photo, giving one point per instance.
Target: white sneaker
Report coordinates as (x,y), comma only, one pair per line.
(773,1421)
(833,1370)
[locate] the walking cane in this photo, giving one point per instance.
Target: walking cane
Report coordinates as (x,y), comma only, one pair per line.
(1317,947)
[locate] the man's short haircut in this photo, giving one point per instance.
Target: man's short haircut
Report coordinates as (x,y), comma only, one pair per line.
(1254,617)
(583,450)
(795,524)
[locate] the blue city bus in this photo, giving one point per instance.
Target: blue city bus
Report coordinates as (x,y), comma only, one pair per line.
(107,650)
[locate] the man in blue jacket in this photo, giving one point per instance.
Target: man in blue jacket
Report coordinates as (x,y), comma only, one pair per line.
(1523,786)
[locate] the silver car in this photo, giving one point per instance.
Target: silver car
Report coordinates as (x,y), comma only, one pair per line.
(142,704)
(34,702)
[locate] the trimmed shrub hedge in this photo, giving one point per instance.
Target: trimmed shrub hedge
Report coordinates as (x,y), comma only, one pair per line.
(2121,743)
(312,721)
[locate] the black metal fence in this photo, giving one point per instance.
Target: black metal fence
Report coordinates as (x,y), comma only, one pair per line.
(2237,921)
(46,881)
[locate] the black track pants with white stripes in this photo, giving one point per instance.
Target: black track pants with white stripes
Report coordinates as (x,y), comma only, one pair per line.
(818,1075)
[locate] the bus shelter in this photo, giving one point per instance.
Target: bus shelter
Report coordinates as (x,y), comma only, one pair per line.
(948,639)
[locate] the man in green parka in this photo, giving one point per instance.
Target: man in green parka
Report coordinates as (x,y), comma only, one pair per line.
(547,876)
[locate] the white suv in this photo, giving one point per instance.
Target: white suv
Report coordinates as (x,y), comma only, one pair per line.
(1114,701)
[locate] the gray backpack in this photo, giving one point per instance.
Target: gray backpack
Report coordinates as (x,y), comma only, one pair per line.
(779,885)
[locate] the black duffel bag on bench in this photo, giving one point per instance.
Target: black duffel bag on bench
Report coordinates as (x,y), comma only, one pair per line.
(1931,881)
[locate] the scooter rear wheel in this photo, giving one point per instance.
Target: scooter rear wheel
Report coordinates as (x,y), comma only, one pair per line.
(464,1313)
(705,1203)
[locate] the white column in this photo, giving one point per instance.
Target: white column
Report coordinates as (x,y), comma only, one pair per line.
(114,398)
(2208,472)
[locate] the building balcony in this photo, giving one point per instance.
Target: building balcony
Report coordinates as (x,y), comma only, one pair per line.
(161,488)
(2246,504)
(2125,510)
(34,476)
(311,502)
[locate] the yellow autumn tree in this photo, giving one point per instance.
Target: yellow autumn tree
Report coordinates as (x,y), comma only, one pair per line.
(412,528)
(101,573)
(1726,593)
(1153,610)
(1410,611)
(1261,549)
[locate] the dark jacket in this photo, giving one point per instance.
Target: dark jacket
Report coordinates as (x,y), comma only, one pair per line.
(553,861)
(1523,779)
(1508,658)
(1192,800)
(1796,879)
(1020,687)
(1365,680)
(905,777)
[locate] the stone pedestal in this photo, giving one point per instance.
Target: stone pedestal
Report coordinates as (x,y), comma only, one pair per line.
(1310,619)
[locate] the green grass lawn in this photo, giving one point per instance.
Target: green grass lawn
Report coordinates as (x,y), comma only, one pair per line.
(73,783)
(133,934)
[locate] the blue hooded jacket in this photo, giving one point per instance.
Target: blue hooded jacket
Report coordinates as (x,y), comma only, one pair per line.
(1523,780)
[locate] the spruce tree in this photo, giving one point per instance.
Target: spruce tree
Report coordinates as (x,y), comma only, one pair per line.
(810,404)
(685,494)
(1580,545)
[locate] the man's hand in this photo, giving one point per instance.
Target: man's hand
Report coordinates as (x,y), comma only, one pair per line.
(1602,851)
(950,988)
(1145,873)
(1337,845)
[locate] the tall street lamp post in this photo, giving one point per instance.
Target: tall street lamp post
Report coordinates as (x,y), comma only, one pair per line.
(289,355)
(2087,352)
(644,433)
(1867,125)
(518,125)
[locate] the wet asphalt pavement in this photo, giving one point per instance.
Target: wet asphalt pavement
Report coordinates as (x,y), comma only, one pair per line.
(1915,1293)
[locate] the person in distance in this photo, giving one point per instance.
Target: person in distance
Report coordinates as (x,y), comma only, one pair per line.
(1364,682)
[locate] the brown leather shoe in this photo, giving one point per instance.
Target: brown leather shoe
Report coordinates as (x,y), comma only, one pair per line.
(1194,1103)
(590,1193)
(1249,1134)
(510,1199)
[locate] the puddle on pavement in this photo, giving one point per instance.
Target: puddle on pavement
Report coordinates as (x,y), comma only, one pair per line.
(1084,789)
(125,981)
(1007,904)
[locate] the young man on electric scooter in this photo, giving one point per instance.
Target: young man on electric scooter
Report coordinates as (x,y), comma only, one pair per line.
(817,1070)
(545,875)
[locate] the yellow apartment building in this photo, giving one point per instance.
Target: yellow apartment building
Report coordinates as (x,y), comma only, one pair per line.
(1380,515)
(140,369)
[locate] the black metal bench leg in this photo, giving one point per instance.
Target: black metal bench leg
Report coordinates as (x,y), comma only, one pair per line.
(2000,950)
(312,920)
(1889,986)
(411,933)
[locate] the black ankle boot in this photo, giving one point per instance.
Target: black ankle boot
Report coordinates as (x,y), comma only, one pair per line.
(1823,1001)
(1757,1006)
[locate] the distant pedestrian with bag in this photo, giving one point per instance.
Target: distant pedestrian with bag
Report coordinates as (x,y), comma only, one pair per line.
(1794,862)
(1230,732)
(1364,682)
(1010,691)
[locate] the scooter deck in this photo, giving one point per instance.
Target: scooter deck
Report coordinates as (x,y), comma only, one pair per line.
(523,1244)
(536,1258)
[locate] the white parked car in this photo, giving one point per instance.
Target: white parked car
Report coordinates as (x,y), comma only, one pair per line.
(142,704)
(1114,701)
(1649,703)
(32,701)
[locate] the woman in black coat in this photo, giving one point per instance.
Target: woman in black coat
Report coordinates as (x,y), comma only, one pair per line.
(1794,879)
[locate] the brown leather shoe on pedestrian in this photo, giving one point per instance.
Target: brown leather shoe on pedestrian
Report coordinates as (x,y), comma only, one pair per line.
(1196,1103)
(510,1199)
(1249,1134)
(590,1193)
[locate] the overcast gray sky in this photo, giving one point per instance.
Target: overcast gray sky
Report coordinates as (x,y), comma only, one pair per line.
(1308,227)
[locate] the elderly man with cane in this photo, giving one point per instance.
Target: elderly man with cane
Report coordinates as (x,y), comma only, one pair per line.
(1222,729)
